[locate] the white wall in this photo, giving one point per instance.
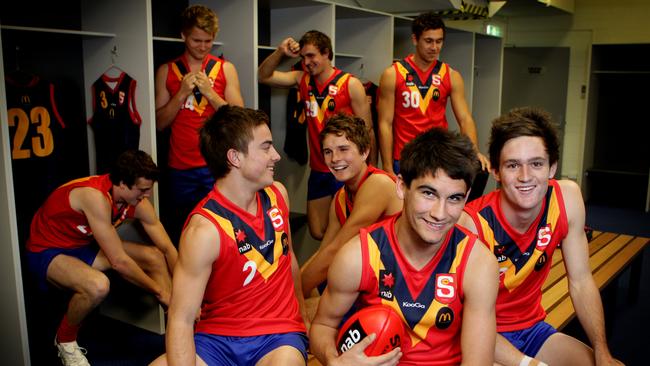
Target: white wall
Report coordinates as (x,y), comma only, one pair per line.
(593,22)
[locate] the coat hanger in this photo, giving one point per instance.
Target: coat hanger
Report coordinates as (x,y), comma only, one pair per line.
(113,71)
(18,74)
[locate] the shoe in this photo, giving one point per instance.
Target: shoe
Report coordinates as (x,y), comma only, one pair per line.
(71,354)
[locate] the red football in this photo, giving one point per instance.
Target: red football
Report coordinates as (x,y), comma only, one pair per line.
(379,319)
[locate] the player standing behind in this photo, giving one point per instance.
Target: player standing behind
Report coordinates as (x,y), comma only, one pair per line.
(236,262)
(413,94)
(435,274)
(189,90)
(523,223)
(326,90)
(368,194)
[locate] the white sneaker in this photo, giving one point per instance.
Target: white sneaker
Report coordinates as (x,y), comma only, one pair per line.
(71,354)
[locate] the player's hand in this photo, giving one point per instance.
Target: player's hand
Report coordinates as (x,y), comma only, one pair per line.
(164,298)
(204,83)
(605,358)
(187,84)
(355,356)
(485,162)
(290,47)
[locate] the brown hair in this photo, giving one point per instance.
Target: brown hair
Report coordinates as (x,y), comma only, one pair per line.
(352,127)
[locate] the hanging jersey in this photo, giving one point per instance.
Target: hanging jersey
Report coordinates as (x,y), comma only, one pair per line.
(184,141)
(36,143)
(372,96)
(57,225)
(115,120)
(321,102)
(258,296)
(524,259)
(420,100)
(342,200)
(429,300)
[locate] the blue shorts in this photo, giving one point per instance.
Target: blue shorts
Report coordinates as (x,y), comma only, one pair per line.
(321,185)
(243,351)
(530,340)
(38,262)
(189,186)
(396,166)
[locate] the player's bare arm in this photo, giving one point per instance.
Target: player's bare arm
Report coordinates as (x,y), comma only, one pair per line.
(199,248)
(146,214)
(582,289)
(167,105)
(233,90)
(371,202)
(267,73)
(97,210)
(480,286)
(386,113)
(463,115)
(342,290)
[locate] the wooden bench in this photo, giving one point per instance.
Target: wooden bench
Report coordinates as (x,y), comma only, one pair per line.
(609,255)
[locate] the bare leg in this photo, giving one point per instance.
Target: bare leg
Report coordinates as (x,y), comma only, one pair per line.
(162,361)
(561,349)
(285,355)
(317,212)
(151,260)
(89,285)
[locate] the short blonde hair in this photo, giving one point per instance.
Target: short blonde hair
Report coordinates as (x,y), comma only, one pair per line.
(201,17)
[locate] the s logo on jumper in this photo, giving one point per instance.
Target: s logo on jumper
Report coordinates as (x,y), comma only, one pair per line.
(333,90)
(543,237)
(435,79)
(445,287)
(275,215)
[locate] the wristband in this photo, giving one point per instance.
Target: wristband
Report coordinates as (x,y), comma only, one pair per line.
(525,361)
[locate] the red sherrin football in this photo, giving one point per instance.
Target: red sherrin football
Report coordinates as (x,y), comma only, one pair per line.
(379,319)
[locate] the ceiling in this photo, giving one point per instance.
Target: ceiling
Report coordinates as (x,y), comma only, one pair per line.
(511,8)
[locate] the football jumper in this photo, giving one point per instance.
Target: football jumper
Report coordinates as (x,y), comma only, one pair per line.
(429,300)
(420,100)
(184,141)
(322,102)
(258,296)
(115,120)
(342,202)
(524,258)
(37,145)
(57,225)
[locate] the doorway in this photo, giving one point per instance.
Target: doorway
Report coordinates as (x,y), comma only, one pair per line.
(537,76)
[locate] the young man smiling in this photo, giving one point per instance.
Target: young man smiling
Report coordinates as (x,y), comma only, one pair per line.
(325,91)
(236,263)
(523,223)
(189,89)
(413,94)
(367,196)
(436,275)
